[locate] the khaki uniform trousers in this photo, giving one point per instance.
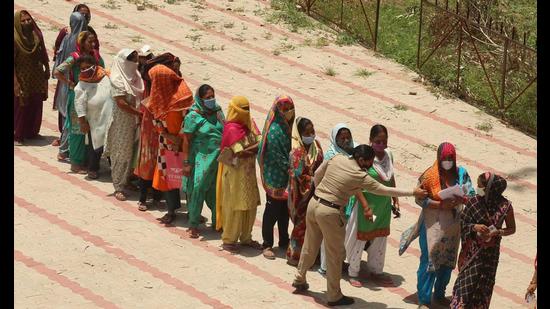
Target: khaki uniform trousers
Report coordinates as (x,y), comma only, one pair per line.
(323,222)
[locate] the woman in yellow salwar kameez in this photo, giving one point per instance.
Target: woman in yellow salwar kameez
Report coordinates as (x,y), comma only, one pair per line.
(236,187)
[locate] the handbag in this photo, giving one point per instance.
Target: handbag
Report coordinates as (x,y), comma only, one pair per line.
(173,173)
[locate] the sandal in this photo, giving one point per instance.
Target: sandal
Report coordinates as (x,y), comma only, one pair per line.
(78,170)
(193,232)
(233,248)
(142,206)
(119,195)
(268,253)
(203,219)
(56,142)
(92,175)
(253,244)
(355,282)
(167,218)
(62,157)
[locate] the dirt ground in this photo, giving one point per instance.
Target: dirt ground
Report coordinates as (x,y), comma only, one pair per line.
(76,246)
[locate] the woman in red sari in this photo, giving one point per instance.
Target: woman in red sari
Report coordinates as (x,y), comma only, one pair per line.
(305,157)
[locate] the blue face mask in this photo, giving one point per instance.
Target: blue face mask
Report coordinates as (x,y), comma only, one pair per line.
(210,103)
(308,140)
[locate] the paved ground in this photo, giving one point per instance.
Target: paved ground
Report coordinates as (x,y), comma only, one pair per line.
(76,246)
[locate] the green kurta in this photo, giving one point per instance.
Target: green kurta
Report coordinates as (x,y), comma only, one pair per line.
(381,207)
(206,131)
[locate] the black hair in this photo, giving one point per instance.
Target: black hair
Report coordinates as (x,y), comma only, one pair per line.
(203,89)
(132,53)
(377,129)
(363,152)
(302,124)
(79,6)
(86,59)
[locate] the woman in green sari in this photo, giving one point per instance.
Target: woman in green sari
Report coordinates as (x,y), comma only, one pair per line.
(359,230)
(202,129)
(85,45)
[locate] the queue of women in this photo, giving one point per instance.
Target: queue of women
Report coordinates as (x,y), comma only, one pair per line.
(142,116)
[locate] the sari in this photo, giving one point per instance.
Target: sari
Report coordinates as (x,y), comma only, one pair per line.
(274,149)
(121,134)
(237,194)
(205,127)
(30,56)
(149,137)
(438,230)
(169,100)
(478,260)
(303,164)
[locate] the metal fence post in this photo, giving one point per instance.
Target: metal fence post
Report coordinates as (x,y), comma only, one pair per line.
(459,57)
(419,36)
(342,14)
(376,23)
(503,81)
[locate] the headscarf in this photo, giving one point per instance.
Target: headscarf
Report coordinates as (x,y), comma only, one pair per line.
(27,45)
(334,149)
(238,122)
(169,92)
(124,74)
(297,143)
(432,179)
(199,107)
(238,125)
(81,5)
(98,75)
(78,24)
(494,189)
(166,59)
(274,163)
(79,43)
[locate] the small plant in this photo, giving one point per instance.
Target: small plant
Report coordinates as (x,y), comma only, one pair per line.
(110,26)
(363,73)
(329,71)
(344,39)
(401,107)
(137,39)
(172,1)
(195,17)
(485,126)
(238,10)
(228,25)
(209,24)
(322,42)
(194,37)
(276,52)
(430,146)
(142,4)
(268,35)
(285,11)
(111,5)
(212,48)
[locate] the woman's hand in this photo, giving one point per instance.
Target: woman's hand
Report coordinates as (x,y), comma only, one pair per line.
(481,228)
(84,125)
(367,212)
(531,289)
(186,170)
(420,193)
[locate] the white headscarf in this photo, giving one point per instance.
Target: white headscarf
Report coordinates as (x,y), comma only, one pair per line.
(334,149)
(125,75)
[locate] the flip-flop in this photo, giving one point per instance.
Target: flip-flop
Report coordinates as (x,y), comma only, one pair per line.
(253,244)
(167,218)
(142,206)
(120,196)
(268,254)
(92,175)
(56,142)
(355,283)
(193,232)
(233,248)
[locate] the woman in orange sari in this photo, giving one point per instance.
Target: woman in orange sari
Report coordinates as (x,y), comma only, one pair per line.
(169,100)
(149,137)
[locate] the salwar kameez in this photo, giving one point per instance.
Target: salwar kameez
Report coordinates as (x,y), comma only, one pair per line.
(240,195)
(205,129)
(438,231)
(120,142)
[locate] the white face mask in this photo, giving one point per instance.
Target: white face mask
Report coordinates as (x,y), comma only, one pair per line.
(447,165)
(480,191)
(308,140)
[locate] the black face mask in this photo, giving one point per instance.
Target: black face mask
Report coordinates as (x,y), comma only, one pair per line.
(26,27)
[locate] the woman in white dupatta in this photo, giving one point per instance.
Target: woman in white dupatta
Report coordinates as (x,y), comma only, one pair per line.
(127,90)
